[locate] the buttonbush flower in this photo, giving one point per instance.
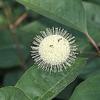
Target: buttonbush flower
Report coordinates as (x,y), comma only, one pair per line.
(54,50)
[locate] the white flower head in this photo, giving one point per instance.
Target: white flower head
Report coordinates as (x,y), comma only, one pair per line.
(54,49)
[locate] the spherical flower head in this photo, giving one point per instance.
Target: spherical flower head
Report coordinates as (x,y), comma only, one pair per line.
(54,50)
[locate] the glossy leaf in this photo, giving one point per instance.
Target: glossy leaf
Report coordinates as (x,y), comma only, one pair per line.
(89,89)
(41,85)
(68,12)
(12,93)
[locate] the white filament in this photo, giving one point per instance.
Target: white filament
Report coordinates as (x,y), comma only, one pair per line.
(54,50)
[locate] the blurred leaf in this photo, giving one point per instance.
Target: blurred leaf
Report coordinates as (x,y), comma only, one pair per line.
(11,78)
(17,12)
(91,67)
(12,93)
(93,1)
(68,12)
(89,89)
(41,85)
(3,20)
(92,12)
(8,51)
(10,2)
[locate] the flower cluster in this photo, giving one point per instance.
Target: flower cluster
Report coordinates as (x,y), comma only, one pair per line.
(54,49)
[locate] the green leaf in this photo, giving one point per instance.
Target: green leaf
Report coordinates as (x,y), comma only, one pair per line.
(68,12)
(41,85)
(92,12)
(3,20)
(89,89)
(91,67)
(8,49)
(67,92)
(93,23)
(12,93)
(11,78)
(93,1)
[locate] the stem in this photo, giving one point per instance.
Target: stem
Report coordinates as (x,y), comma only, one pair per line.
(8,13)
(18,48)
(20,20)
(92,42)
